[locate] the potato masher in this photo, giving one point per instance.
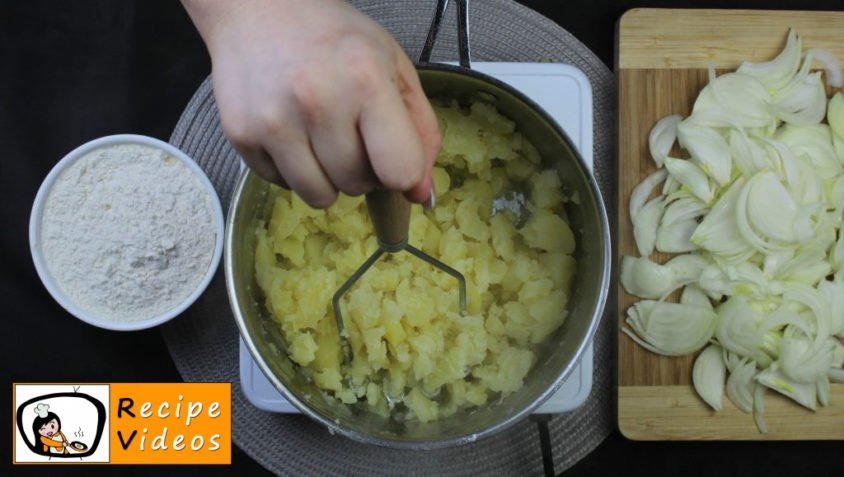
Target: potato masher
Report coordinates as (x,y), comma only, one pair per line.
(389,212)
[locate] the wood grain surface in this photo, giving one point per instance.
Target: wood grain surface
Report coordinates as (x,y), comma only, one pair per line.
(661,66)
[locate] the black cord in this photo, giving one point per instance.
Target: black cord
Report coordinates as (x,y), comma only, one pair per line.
(542,421)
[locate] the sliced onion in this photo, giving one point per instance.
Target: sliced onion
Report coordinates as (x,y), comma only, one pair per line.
(646,279)
(830,63)
(693,295)
(708,149)
(748,156)
(837,257)
(687,268)
(741,96)
(833,292)
(708,376)
(737,330)
(672,328)
(743,225)
(714,118)
(718,232)
(685,207)
(744,280)
(676,237)
(812,299)
(771,342)
(645,225)
(643,190)
(670,186)
(740,385)
(778,72)
(810,273)
(836,195)
(835,114)
(799,175)
(838,147)
(770,208)
(691,176)
(802,362)
(802,102)
(785,316)
(662,138)
(759,407)
(823,391)
(815,144)
(804,394)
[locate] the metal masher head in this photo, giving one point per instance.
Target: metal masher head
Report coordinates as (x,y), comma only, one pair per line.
(390,215)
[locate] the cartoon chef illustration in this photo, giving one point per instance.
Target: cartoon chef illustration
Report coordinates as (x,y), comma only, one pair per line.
(47,427)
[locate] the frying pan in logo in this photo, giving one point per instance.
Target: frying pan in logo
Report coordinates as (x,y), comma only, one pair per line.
(78,446)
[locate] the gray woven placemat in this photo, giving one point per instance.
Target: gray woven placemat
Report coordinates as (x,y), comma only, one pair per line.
(204,341)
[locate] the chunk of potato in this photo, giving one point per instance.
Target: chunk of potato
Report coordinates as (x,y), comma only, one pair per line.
(547,231)
(302,348)
(546,190)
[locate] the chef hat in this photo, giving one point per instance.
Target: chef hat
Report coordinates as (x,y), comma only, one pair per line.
(41,409)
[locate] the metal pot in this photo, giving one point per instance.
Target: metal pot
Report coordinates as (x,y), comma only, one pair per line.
(556,357)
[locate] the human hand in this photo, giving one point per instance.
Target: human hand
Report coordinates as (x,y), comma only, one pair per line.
(318,97)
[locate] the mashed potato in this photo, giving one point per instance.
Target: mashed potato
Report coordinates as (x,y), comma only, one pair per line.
(413,351)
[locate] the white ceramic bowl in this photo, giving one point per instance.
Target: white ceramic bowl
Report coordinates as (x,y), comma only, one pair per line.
(35,233)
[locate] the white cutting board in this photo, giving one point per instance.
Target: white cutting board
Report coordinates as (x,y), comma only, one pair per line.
(565,94)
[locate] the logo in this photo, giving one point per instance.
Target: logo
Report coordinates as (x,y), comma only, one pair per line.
(61,423)
(122,423)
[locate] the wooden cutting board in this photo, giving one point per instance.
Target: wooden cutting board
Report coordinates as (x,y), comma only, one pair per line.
(662,58)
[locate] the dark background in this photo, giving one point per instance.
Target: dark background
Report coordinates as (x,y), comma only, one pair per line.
(71,71)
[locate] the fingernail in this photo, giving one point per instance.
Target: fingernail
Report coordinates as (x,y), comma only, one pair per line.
(432,199)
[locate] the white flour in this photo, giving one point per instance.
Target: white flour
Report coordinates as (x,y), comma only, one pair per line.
(127,232)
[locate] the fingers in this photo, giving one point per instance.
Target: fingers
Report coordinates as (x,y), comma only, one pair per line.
(337,145)
(391,140)
(295,160)
(259,161)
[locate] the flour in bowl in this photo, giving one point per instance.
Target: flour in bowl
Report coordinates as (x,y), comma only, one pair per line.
(128,232)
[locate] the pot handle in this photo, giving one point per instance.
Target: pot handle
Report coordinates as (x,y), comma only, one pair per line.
(462,32)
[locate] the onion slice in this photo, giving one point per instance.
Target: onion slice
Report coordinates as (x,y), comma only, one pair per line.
(672,328)
(662,138)
(778,72)
(740,385)
(708,149)
(830,63)
(644,278)
(643,190)
(691,176)
(804,394)
(708,376)
(645,226)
